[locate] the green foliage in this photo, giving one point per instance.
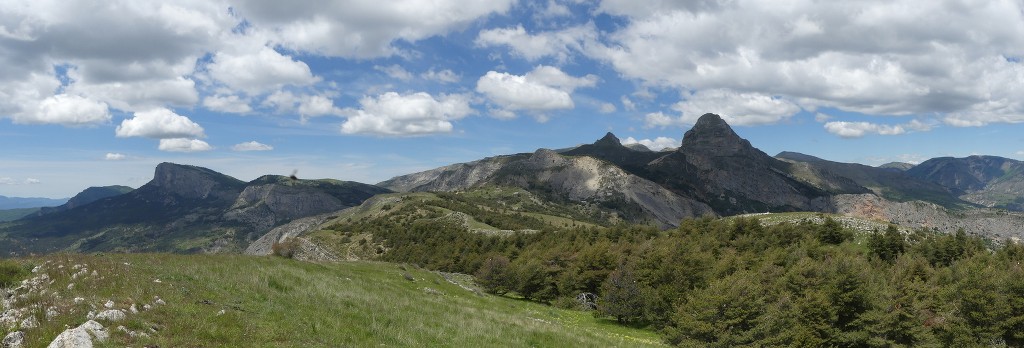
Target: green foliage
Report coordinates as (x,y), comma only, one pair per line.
(11,273)
(495,275)
(622,296)
(732,282)
(244,301)
(887,245)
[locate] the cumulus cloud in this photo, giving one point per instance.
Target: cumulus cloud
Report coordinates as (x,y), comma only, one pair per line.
(227,103)
(362,28)
(545,88)
(558,44)
(262,71)
(859,129)
(741,109)
(657,144)
(607,108)
(183,145)
(113,156)
(251,146)
(159,124)
(306,105)
(874,57)
(393,114)
(67,110)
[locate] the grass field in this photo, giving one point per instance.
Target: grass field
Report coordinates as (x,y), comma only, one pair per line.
(231,300)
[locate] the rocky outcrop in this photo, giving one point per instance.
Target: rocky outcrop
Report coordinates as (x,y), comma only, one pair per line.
(13,340)
(264,245)
(81,336)
(193,182)
(575,178)
(998,225)
(448,178)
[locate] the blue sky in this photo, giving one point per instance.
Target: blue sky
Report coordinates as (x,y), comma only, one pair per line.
(366,90)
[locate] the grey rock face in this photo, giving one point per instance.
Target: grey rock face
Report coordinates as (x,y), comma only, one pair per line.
(13,340)
(574,178)
(994,224)
(81,337)
(264,245)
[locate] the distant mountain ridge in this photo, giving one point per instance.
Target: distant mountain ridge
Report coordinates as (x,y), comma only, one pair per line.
(990,181)
(87,196)
(183,209)
(29,202)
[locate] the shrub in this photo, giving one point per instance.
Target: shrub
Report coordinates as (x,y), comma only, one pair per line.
(11,273)
(286,248)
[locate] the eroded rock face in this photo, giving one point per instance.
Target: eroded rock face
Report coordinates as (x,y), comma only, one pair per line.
(81,336)
(994,224)
(577,178)
(193,182)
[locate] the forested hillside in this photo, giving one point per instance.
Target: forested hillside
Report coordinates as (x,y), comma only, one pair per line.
(729,282)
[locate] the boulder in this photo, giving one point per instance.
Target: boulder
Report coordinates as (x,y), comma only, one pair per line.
(80,337)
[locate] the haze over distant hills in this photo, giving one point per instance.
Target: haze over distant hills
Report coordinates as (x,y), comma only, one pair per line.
(713,172)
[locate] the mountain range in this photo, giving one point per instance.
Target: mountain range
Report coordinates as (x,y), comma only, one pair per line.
(714,172)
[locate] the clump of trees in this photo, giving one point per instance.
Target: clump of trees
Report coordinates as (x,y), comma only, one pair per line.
(729,282)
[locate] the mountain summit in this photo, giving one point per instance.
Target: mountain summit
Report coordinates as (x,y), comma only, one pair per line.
(711,135)
(609,140)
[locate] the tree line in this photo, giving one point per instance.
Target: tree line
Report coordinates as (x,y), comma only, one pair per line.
(733,282)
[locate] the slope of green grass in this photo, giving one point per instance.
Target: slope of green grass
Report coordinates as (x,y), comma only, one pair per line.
(222,300)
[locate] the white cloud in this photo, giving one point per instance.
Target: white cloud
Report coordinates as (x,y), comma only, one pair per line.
(627,103)
(160,124)
(738,109)
(113,156)
(822,117)
(859,129)
(251,146)
(67,110)
(545,88)
(444,76)
(306,105)
(183,145)
(607,108)
(11,181)
(558,44)
(362,28)
(875,57)
(395,71)
(658,119)
(227,103)
(394,114)
(657,144)
(742,109)
(261,71)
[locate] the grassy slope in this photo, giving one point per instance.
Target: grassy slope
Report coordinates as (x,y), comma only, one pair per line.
(271,301)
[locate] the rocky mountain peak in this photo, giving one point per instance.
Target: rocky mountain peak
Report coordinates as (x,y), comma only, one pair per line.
(711,135)
(609,140)
(191,181)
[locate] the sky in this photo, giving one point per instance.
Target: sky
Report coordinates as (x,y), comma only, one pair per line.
(98,93)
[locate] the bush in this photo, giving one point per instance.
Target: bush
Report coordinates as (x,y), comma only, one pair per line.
(11,273)
(286,248)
